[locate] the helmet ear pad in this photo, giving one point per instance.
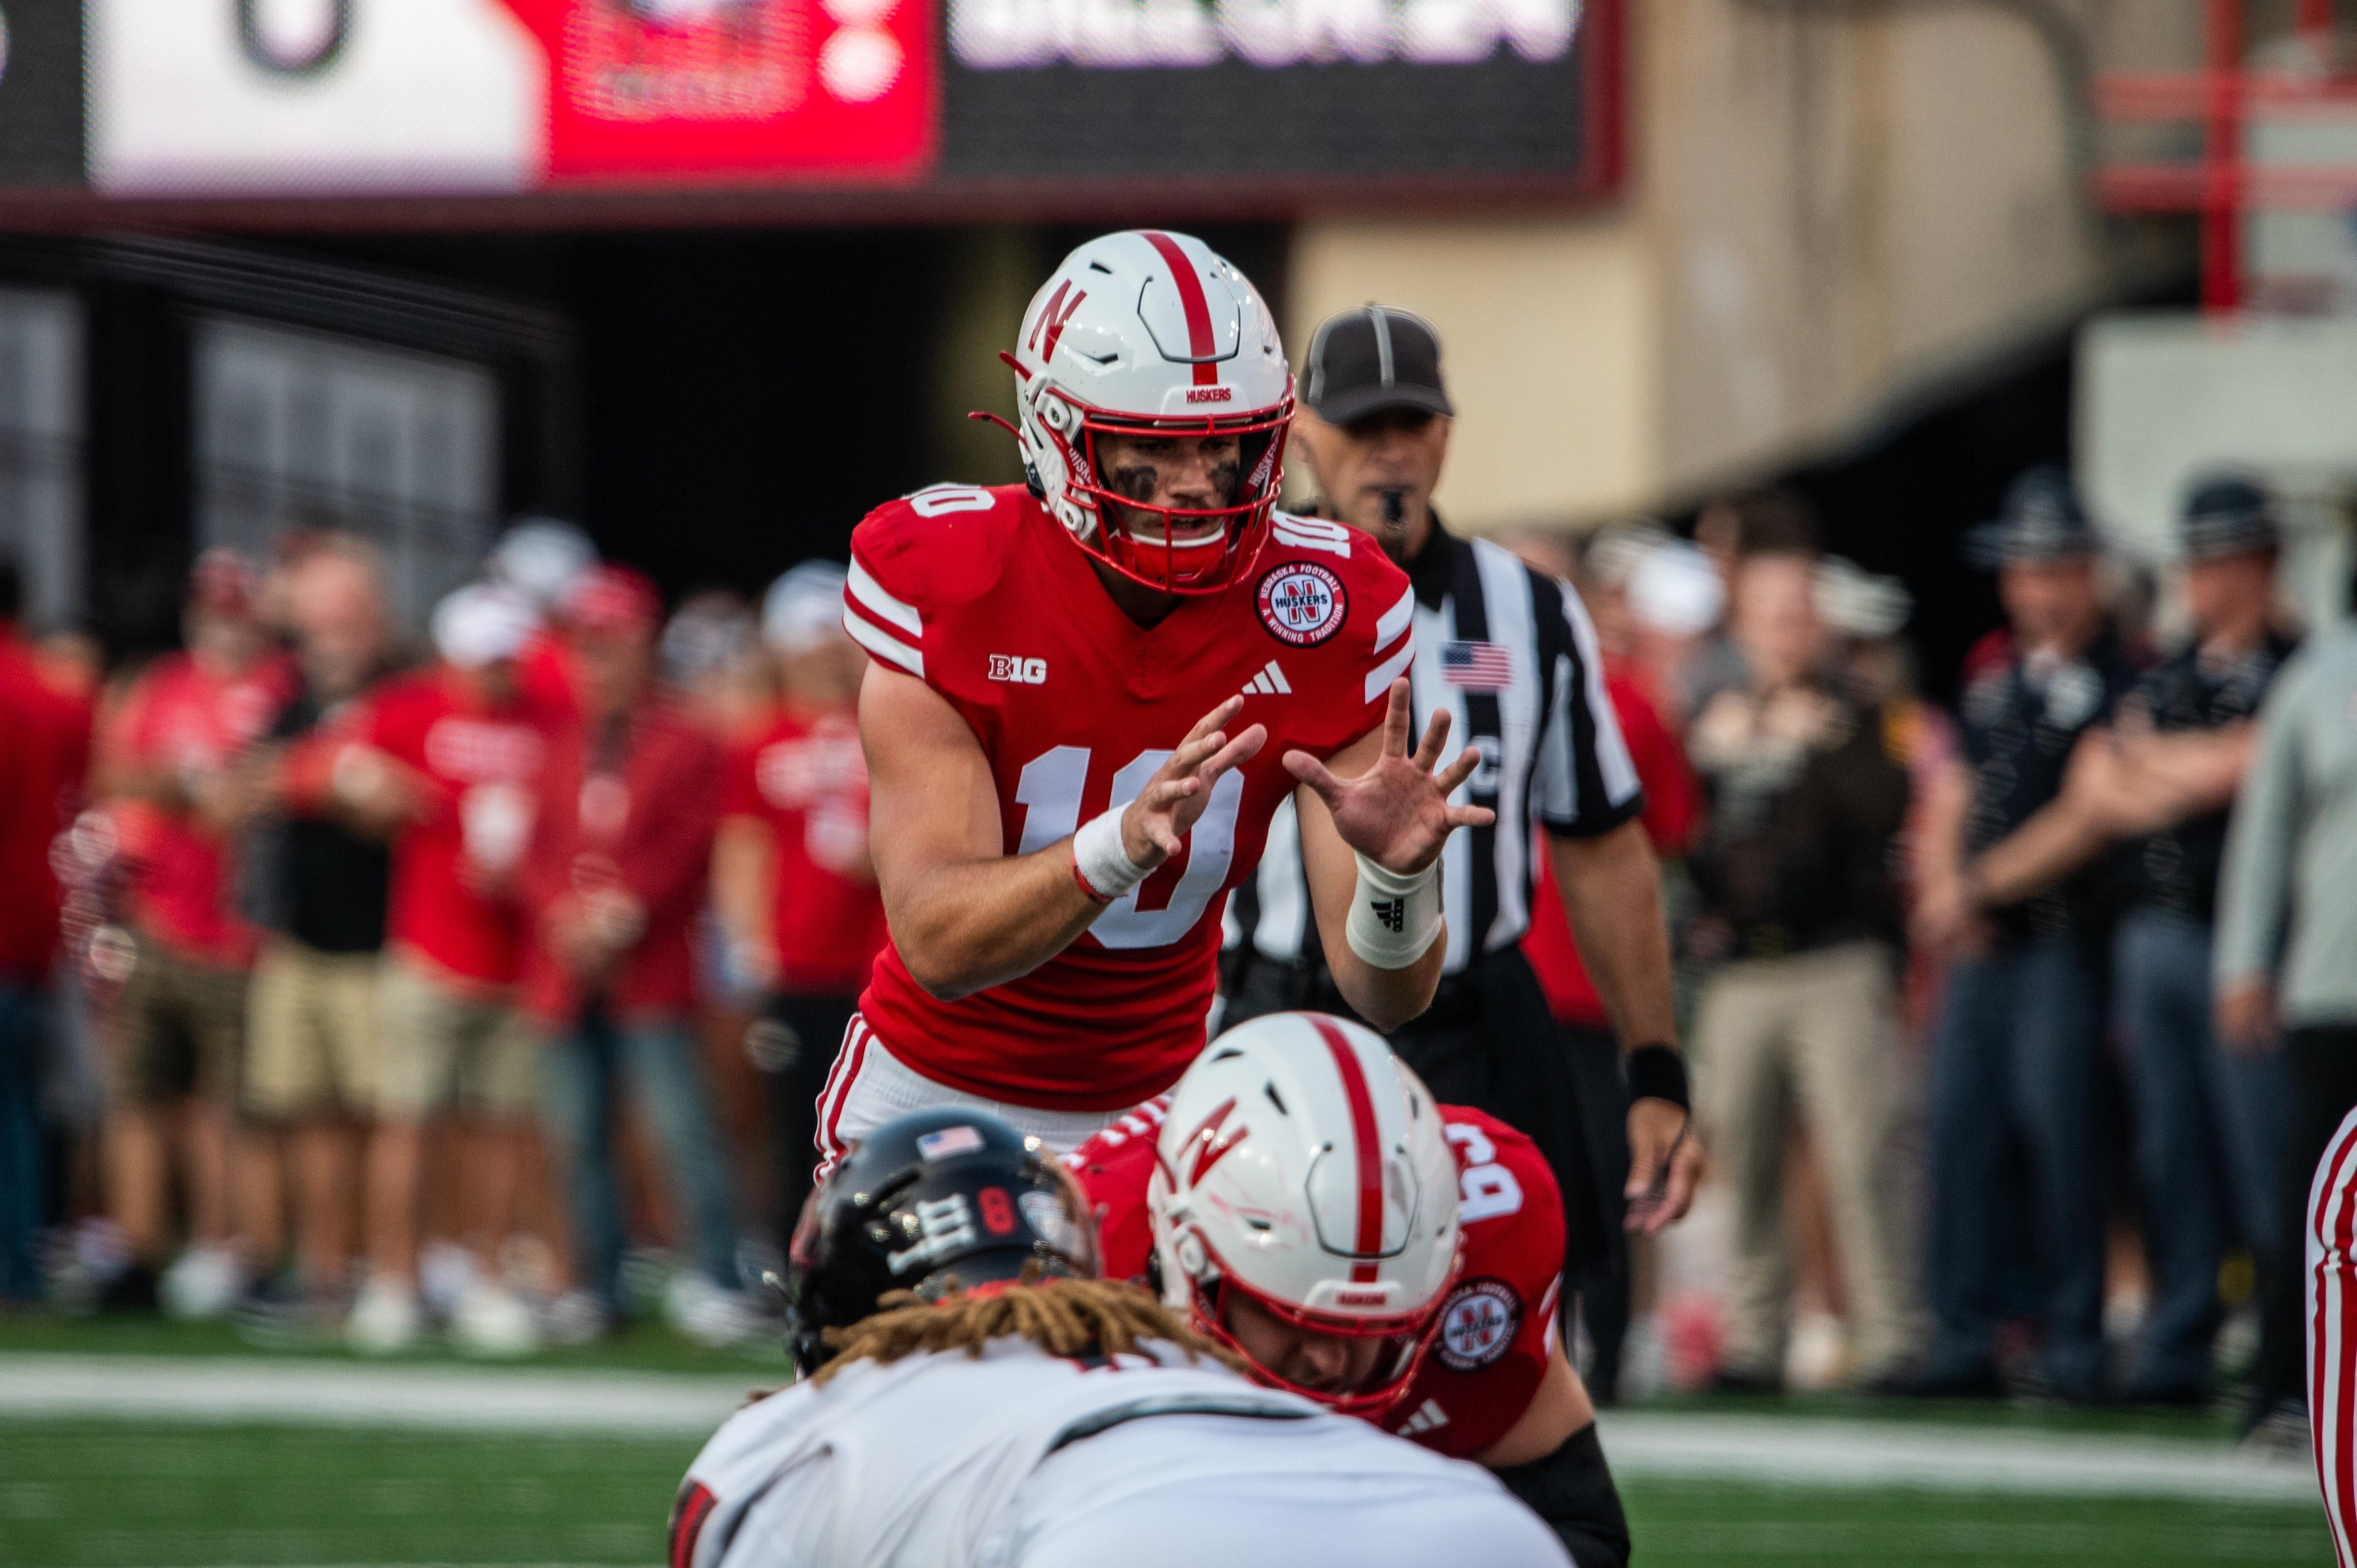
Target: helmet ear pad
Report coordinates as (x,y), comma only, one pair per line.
(1048,424)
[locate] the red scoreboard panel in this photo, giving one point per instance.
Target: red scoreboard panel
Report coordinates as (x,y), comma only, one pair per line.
(732,89)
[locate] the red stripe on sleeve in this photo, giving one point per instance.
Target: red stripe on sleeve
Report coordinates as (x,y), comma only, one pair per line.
(687,1516)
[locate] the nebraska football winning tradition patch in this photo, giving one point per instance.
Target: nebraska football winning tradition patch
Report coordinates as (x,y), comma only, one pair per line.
(1301,603)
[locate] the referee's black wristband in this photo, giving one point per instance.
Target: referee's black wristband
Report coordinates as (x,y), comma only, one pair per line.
(1658,1072)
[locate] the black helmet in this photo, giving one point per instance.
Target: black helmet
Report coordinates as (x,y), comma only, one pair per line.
(932,1202)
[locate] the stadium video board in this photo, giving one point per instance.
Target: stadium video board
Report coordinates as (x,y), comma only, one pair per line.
(293,99)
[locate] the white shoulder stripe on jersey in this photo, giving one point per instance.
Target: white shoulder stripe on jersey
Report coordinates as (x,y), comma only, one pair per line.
(881,605)
(1383,674)
(882,643)
(1395,620)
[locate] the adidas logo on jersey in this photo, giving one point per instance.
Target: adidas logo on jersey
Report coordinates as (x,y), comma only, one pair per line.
(1428,1417)
(1269,682)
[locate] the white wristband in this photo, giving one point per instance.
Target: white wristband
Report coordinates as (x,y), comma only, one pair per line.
(1393,918)
(1103,864)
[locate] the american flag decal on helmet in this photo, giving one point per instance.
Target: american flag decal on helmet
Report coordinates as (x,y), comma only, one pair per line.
(1476,666)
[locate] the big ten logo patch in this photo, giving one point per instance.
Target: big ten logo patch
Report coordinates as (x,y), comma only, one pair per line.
(1478,1325)
(1301,603)
(1022,672)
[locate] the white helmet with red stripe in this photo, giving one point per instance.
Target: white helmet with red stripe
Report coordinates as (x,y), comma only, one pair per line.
(1303,1164)
(1152,333)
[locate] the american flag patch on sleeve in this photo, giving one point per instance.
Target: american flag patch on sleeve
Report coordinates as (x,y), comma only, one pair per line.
(1477,666)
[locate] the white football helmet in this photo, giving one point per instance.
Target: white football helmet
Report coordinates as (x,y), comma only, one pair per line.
(1152,333)
(1304,1165)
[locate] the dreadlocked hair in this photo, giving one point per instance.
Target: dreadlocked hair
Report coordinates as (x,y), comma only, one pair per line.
(1062,1317)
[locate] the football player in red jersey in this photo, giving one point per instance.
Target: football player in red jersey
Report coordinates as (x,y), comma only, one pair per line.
(1088,696)
(1305,1200)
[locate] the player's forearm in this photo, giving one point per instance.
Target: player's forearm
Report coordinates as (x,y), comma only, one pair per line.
(1611,887)
(964,926)
(1387,998)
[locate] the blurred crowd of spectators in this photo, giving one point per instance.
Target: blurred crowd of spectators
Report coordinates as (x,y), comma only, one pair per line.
(351,987)
(1983,1003)
(356,988)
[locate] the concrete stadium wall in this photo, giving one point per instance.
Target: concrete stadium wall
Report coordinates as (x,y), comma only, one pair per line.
(1825,213)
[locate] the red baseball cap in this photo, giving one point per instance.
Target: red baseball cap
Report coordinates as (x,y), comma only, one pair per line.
(612,599)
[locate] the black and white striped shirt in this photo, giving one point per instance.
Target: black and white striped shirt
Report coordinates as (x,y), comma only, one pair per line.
(1510,654)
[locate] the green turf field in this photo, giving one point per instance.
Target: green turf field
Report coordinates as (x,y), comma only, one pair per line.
(77,1494)
(639,1347)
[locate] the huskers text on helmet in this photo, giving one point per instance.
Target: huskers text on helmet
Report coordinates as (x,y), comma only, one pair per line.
(991,35)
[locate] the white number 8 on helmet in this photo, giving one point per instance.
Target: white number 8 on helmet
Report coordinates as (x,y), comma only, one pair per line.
(1146,333)
(1303,1165)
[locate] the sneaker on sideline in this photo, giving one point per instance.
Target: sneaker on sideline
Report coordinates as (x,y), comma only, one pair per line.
(2281,1433)
(576,1318)
(715,1319)
(204,1282)
(492,1320)
(386,1319)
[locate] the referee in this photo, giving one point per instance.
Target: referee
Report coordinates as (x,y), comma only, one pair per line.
(1509,654)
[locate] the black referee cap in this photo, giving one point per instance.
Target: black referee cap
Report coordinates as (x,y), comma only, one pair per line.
(1375,357)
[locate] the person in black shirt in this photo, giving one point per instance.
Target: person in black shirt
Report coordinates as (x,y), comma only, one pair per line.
(317,889)
(2016,1049)
(2211,1122)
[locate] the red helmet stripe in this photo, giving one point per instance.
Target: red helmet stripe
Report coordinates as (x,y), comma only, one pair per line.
(1200,343)
(1367,1139)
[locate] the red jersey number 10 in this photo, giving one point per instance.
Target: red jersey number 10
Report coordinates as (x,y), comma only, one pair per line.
(1051,788)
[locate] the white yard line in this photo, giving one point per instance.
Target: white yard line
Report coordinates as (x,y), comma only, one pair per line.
(1830,1453)
(442,1398)
(1801,1451)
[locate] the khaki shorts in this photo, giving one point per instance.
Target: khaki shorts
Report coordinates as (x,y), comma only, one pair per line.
(437,1047)
(310,1032)
(181,1028)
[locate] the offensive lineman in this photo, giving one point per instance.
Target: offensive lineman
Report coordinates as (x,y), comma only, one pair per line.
(971,1394)
(1302,1200)
(1089,696)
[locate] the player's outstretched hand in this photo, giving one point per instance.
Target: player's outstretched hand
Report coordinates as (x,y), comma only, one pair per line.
(1397,814)
(1181,788)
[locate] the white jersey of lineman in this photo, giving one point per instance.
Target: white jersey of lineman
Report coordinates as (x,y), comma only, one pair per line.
(1020,1459)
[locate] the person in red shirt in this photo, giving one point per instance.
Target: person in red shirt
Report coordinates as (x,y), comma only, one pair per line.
(540,559)
(180,1019)
(40,781)
(614,882)
(1302,1198)
(450,760)
(791,879)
